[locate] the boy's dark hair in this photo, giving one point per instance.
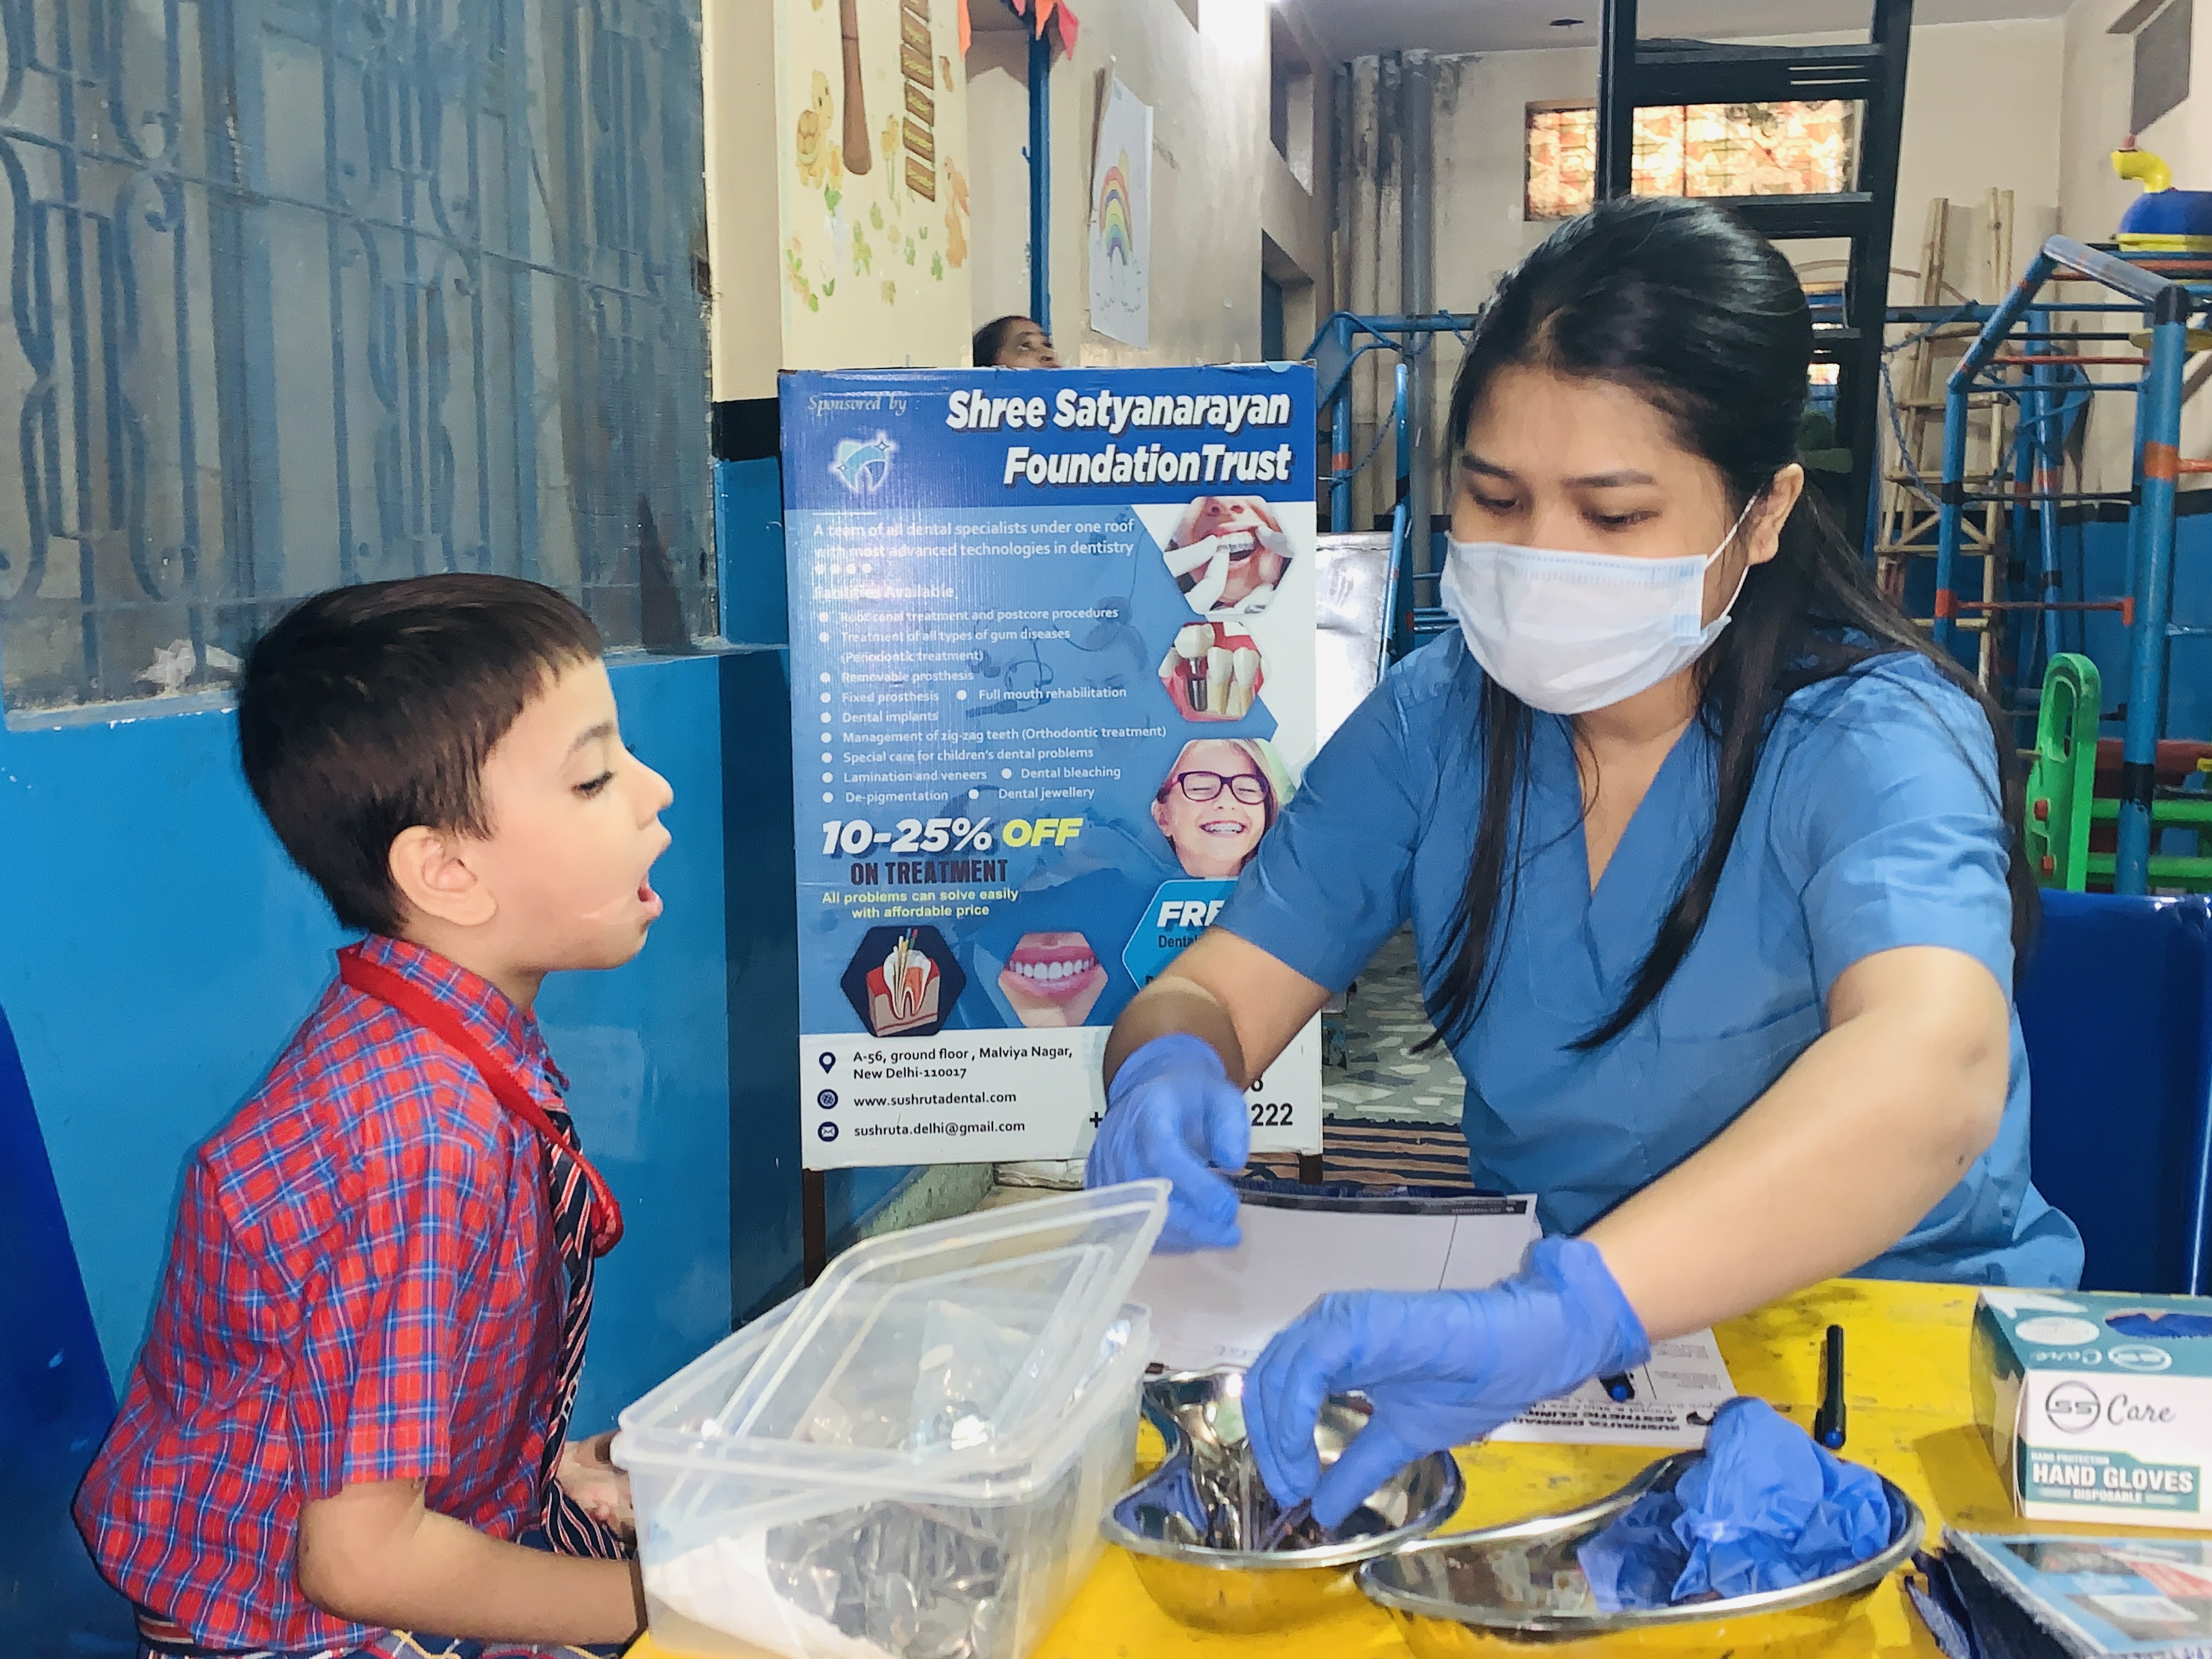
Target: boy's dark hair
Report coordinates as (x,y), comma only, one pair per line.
(367,710)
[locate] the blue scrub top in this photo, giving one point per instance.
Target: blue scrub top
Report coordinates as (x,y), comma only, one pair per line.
(1873,824)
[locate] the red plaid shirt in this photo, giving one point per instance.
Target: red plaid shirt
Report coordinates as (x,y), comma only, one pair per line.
(363,1286)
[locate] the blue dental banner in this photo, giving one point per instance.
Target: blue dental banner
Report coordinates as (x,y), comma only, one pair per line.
(1051,659)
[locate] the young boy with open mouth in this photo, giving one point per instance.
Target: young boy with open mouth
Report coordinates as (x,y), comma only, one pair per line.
(347,1426)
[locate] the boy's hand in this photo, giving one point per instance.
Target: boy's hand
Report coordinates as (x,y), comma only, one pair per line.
(587,1474)
(372,1554)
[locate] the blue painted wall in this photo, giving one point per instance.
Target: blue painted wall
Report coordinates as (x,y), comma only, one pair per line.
(159,949)
(55,1403)
(762,923)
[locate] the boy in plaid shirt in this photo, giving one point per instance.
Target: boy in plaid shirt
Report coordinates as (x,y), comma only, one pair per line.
(348,1424)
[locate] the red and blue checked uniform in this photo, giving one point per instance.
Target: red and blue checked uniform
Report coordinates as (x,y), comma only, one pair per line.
(378,1274)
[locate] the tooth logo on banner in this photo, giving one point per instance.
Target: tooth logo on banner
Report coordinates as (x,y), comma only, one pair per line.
(863,464)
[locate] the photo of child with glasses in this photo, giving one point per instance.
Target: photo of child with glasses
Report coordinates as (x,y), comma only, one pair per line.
(1221,796)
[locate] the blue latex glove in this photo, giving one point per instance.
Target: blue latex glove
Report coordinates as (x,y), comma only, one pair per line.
(1442,1368)
(1171,1112)
(1766,1509)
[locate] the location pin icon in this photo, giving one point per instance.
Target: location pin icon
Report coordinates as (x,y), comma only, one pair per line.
(828,1059)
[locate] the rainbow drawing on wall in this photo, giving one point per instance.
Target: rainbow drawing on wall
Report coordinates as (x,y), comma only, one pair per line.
(1122,219)
(1115,230)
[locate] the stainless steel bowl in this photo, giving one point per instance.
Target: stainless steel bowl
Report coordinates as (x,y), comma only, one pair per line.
(1242,1591)
(1521,1586)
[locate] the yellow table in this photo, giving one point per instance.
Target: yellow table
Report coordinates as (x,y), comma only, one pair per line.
(1910,1418)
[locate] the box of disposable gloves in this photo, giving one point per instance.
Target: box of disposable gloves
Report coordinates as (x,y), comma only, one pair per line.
(2098,1404)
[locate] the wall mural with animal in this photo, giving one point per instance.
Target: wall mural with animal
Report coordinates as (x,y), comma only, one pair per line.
(873,124)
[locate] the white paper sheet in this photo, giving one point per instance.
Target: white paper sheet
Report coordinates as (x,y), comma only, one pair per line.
(1676,1395)
(1220,1308)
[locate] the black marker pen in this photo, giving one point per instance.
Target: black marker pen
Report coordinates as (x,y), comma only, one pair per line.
(1828,1422)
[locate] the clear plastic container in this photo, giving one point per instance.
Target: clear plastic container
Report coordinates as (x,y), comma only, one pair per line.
(910,1460)
(753,1546)
(950,1336)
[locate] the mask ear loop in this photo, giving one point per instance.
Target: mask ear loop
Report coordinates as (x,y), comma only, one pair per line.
(1744,575)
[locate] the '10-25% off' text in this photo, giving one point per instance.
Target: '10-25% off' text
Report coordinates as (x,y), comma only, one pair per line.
(853,836)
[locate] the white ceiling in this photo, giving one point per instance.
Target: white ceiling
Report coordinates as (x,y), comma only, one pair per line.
(1355,27)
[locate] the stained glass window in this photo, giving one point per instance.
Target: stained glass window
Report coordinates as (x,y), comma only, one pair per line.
(1694,150)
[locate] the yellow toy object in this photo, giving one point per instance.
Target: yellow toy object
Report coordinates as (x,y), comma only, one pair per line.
(2162,219)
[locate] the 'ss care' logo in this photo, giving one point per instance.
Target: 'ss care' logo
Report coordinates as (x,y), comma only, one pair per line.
(2072,1408)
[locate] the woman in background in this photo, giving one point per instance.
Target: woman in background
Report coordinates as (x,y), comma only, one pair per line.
(1013,343)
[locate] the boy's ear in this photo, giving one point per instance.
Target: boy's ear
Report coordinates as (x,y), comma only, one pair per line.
(433,874)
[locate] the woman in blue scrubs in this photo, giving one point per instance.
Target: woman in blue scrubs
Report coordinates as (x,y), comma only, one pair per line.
(1712,863)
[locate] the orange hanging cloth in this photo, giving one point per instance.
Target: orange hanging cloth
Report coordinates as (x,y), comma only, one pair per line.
(1039,13)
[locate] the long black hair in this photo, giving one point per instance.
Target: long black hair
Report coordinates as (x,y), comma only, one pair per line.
(1681,303)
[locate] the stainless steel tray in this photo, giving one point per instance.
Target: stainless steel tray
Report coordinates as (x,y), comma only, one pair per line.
(1521,1586)
(1200,1416)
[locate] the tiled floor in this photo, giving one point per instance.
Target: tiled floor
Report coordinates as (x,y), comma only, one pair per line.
(1385,1080)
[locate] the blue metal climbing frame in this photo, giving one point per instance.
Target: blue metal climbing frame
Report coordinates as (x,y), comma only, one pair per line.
(1341,342)
(2166,292)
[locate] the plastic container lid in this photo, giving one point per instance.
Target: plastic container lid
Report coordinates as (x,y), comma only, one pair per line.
(665,1433)
(948,1338)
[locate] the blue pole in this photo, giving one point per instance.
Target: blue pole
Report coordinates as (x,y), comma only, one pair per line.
(1041,181)
(1404,445)
(2157,418)
(1340,433)
(2049,478)
(1949,511)
(1873,538)
(2024,456)
(1401,542)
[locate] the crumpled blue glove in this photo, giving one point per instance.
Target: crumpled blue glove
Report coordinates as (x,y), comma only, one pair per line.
(1441,1368)
(1171,1112)
(1766,1509)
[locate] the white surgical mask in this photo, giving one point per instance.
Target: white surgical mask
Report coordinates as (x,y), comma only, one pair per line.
(1570,632)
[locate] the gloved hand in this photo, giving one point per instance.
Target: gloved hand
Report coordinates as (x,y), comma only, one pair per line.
(1171,1111)
(1441,1368)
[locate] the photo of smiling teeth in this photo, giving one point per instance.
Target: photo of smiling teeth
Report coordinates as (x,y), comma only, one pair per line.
(1228,553)
(1053,972)
(1052,979)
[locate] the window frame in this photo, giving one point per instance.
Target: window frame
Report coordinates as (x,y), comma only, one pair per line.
(1853,117)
